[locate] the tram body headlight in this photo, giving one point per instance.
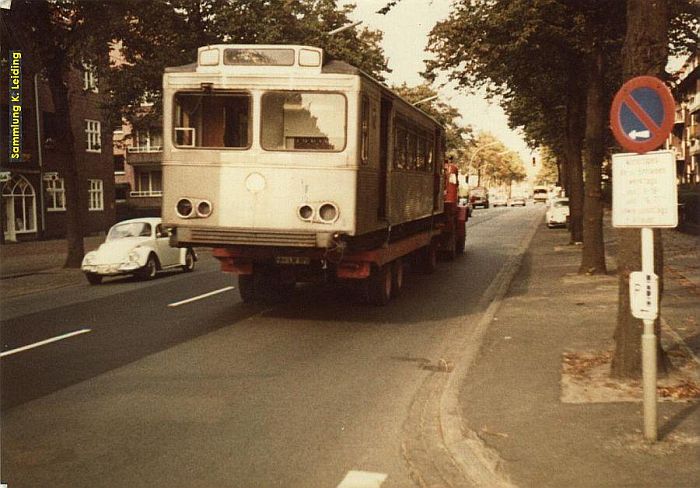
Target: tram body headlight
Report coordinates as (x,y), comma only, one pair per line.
(204,208)
(328,212)
(306,212)
(184,208)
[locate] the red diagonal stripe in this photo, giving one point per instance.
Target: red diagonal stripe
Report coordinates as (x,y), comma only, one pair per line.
(641,114)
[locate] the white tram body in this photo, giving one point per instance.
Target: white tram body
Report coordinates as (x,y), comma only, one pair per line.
(265,145)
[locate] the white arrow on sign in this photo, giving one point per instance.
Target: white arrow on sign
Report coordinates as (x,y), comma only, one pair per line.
(640,134)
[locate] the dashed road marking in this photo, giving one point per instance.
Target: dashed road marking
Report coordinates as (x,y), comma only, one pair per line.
(362,479)
(44,342)
(199,297)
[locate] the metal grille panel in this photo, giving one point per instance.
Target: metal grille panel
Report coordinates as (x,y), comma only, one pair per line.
(247,237)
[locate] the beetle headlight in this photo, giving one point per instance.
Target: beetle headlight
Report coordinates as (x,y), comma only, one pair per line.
(89,257)
(133,256)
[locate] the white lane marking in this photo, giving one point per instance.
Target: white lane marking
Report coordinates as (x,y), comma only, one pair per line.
(199,297)
(362,479)
(42,343)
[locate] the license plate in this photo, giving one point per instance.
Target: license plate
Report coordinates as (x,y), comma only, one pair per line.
(292,260)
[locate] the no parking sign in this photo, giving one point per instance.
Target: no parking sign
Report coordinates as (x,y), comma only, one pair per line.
(642,113)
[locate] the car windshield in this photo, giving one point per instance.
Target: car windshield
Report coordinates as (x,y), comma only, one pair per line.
(561,203)
(131,229)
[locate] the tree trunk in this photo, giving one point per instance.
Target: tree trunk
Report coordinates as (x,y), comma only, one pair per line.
(574,143)
(644,53)
(593,254)
(76,193)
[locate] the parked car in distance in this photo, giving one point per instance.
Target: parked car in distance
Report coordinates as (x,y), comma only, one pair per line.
(540,194)
(499,201)
(136,247)
(479,197)
(557,213)
(517,200)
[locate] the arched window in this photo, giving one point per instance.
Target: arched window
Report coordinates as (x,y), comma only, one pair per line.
(19,201)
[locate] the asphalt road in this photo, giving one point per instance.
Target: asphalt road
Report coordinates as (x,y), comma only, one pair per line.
(315,392)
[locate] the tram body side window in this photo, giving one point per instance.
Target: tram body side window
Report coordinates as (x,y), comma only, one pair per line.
(303,121)
(216,120)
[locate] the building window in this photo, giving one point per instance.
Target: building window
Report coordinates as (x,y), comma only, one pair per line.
(55,195)
(90,78)
(119,164)
(19,204)
(96,195)
(147,141)
(148,184)
(94,135)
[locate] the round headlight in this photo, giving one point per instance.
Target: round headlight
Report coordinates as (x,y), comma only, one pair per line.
(204,208)
(328,212)
(306,212)
(184,208)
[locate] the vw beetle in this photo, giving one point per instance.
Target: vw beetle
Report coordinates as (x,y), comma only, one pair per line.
(137,247)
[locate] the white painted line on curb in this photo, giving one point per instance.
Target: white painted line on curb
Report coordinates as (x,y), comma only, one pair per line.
(43,343)
(362,479)
(199,297)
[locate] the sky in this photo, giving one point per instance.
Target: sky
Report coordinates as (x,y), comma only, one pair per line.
(406,28)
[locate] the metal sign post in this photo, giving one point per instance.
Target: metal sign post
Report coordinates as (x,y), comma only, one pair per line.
(644,195)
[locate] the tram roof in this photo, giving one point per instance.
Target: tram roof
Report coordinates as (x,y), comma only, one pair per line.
(206,55)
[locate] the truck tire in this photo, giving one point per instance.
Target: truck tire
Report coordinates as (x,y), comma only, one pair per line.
(246,288)
(460,243)
(379,285)
(428,259)
(264,285)
(397,277)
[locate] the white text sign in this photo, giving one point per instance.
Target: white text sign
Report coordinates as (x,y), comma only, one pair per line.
(644,190)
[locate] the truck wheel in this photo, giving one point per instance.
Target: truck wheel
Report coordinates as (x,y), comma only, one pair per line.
(428,259)
(264,285)
(397,275)
(379,285)
(461,241)
(246,288)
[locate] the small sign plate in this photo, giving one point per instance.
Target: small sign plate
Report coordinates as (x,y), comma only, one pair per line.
(644,295)
(301,260)
(644,190)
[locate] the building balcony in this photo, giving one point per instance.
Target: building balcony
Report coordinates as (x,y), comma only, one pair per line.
(144,199)
(139,156)
(147,193)
(694,147)
(680,116)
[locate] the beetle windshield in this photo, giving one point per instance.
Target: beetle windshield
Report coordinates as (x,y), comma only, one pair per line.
(131,229)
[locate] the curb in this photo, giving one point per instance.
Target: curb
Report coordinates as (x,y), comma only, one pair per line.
(481,464)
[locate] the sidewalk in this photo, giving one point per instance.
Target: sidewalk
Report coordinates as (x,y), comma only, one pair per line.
(539,394)
(30,267)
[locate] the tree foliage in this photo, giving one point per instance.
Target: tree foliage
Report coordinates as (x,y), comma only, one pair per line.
(162,33)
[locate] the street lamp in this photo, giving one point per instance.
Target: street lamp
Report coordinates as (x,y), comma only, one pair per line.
(427,99)
(345,27)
